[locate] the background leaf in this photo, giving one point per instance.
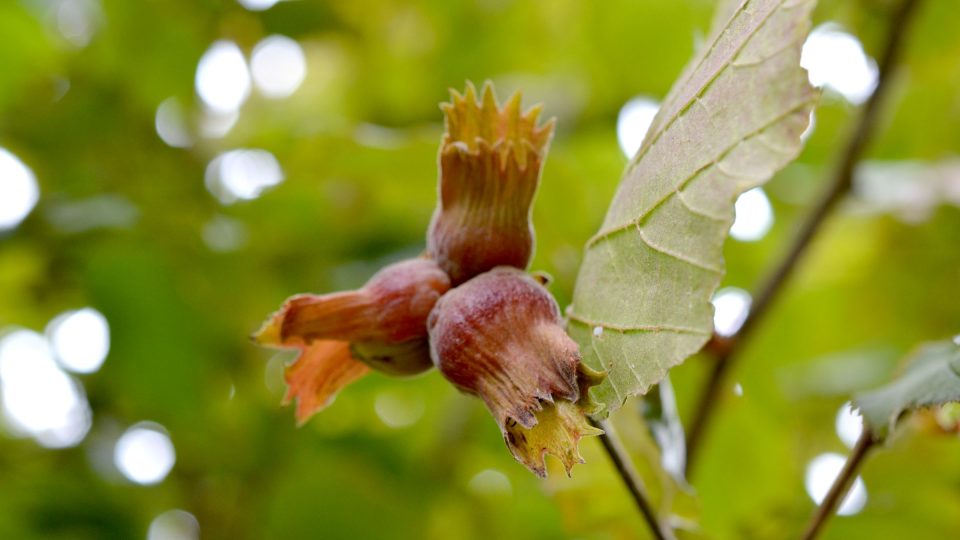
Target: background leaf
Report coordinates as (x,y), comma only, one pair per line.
(642,300)
(932,378)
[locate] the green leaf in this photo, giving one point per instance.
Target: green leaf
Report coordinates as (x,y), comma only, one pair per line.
(932,378)
(642,300)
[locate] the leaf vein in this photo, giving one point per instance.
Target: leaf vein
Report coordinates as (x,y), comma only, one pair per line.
(605,234)
(678,256)
(697,211)
(647,328)
(753,63)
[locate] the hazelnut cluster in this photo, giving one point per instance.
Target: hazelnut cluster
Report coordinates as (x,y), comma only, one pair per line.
(467,306)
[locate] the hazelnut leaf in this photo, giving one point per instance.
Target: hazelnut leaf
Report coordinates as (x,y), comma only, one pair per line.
(734,117)
(931,378)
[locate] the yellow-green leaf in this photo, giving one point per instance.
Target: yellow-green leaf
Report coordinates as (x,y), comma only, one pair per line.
(734,117)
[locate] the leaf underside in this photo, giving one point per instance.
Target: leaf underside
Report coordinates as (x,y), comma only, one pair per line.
(642,298)
(931,378)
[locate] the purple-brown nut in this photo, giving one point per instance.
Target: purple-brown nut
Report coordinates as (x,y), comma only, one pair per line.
(499,336)
(381,325)
(490,163)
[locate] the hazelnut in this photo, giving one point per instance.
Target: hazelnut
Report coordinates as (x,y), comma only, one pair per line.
(490,163)
(499,336)
(382,325)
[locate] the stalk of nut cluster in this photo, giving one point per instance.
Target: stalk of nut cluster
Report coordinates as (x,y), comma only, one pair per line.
(490,163)
(499,337)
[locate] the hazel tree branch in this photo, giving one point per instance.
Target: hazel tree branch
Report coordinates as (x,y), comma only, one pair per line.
(840,485)
(631,478)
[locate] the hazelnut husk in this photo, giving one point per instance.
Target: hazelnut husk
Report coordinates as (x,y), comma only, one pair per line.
(499,336)
(490,163)
(382,326)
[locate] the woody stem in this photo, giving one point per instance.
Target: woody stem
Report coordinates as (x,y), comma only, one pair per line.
(631,478)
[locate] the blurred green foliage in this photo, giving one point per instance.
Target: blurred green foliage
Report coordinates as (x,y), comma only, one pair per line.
(357,144)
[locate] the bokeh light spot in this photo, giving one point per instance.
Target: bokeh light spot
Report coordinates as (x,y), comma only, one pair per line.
(78,20)
(258,5)
(821,473)
(174,525)
(849,425)
(278,66)
(144,454)
(490,482)
(223,81)
(836,59)
(730,308)
(171,124)
(214,125)
(80,339)
(633,122)
(398,410)
(223,234)
(754,216)
(242,174)
(18,190)
(40,400)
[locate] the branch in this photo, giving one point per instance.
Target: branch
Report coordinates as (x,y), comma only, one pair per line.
(725,350)
(621,460)
(841,485)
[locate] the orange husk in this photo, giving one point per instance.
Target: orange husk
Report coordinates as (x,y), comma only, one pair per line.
(322,369)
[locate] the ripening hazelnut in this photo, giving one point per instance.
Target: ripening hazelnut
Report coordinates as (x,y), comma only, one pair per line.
(381,325)
(499,336)
(490,163)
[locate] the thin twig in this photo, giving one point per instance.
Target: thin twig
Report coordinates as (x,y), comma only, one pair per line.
(841,485)
(621,460)
(724,350)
